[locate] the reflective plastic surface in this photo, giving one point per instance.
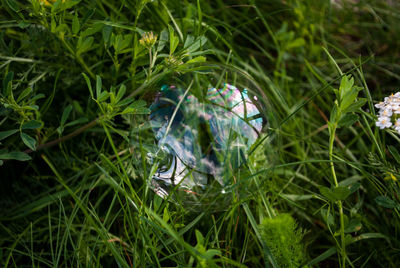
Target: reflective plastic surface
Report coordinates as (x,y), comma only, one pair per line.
(201,142)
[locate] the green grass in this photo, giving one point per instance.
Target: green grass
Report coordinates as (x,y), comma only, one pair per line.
(321,186)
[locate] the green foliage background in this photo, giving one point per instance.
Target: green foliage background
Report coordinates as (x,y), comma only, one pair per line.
(322,187)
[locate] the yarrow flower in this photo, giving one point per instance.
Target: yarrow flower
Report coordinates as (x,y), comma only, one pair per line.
(389,111)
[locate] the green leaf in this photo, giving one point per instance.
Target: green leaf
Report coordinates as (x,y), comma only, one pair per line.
(103,96)
(20,156)
(199,237)
(393,151)
(107,30)
(33,124)
(347,120)
(59,6)
(163,40)
(77,121)
(136,107)
(65,114)
(211,253)
(121,93)
(98,86)
(75,24)
(29,141)
(89,84)
(97,27)
(334,113)
(166,215)
(141,110)
(199,42)
(24,94)
(298,42)
(7,83)
(7,133)
(13,5)
(385,201)
(338,193)
(355,105)
(346,85)
(84,45)
(353,226)
(327,217)
(196,60)
(173,40)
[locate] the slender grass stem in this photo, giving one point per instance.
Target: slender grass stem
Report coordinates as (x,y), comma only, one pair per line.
(339,202)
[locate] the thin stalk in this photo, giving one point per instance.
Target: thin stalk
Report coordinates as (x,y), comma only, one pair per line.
(78,58)
(340,205)
(66,137)
(151,61)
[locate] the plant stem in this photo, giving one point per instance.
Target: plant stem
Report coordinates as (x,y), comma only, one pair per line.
(151,61)
(340,205)
(66,137)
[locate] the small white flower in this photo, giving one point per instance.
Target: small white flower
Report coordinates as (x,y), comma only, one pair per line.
(386,112)
(380,105)
(397,125)
(383,122)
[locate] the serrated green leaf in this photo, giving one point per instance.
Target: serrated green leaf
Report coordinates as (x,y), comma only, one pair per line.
(347,120)
(355,106)
(327,193)
(7,133)
(346,84)
(20,156)
(385,201)
(341,193)
(65,114)
(29,141)
(337,193)
(33,124)
(349,98)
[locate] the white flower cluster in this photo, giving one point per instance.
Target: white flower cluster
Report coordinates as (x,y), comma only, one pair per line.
(389,112)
